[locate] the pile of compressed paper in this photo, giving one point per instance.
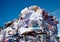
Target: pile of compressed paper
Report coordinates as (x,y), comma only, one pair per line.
(33,25)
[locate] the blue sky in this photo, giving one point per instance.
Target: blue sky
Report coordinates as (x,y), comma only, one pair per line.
(10,9)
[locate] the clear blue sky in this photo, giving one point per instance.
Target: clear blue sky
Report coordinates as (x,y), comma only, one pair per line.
(10,9)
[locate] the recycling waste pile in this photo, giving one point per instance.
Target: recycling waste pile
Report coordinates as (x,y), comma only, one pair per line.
(33,25)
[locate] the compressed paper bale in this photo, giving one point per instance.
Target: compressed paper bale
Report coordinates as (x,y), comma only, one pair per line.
(23,30)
